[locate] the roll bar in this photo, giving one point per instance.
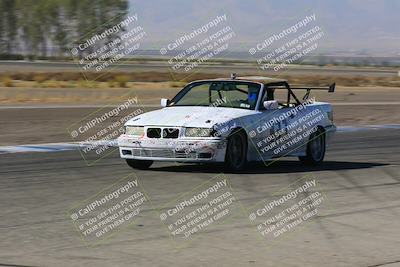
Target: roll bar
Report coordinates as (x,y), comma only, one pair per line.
(285,85)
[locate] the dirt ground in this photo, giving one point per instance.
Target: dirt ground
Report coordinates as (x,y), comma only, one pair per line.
(149,93)
(352,105)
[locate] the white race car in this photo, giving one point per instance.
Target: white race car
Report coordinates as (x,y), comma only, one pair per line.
(234,121)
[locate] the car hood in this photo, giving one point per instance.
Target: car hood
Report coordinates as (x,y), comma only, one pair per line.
(188,116)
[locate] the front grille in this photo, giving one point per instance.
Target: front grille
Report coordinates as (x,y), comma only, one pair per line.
(153,153)
(170,133)
(163,153)
(185,154)
(154,132)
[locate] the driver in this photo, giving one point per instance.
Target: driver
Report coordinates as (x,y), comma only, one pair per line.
(252,96)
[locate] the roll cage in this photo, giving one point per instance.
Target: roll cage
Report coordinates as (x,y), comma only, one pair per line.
(269,89)
(266,88)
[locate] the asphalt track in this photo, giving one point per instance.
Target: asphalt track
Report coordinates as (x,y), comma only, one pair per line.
(359,226)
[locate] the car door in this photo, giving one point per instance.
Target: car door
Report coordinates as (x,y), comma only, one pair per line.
(268,132)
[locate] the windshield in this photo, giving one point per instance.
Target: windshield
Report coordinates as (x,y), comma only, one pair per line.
(219,94)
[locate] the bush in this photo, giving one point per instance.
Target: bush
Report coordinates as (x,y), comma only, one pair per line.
(87,84)
(51,84)
(7,82)
(11,57)
(122,80)
(177,84)
(40,78)
(111,84)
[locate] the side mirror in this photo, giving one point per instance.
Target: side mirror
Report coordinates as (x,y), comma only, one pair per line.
(271,104)
(164,102)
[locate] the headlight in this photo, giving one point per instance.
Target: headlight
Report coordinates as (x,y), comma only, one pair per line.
(134,130)
(198,132)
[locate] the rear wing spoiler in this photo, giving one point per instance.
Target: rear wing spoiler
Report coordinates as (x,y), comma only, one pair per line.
(282,85)
(330,88)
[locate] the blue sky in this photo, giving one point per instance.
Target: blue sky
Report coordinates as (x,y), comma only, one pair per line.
(350,25)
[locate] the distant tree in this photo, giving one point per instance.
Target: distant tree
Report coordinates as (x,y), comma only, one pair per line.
(2,28)
(11,19)
(48,27)
(8,26)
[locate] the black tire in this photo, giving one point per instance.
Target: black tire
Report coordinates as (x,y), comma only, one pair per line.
(236,151)
(139,164)
(316,147)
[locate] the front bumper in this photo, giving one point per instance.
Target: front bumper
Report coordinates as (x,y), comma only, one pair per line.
(180,149)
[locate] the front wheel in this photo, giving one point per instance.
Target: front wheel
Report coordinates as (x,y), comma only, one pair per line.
(316,146)
(236,151)
(139,164)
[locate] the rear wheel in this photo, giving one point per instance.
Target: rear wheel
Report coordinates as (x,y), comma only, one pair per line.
(316,146)
(139,164)
(236,151)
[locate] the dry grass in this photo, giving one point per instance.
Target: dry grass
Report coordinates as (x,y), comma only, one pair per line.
(87,84)
(124,79)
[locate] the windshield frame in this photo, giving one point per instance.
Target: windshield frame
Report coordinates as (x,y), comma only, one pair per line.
(189,86)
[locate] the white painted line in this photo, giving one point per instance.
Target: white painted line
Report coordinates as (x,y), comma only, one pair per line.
(381,103)
(57,147)
(367,127)
(51,147)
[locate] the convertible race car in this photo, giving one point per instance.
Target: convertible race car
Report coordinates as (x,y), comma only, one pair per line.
(231,120)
